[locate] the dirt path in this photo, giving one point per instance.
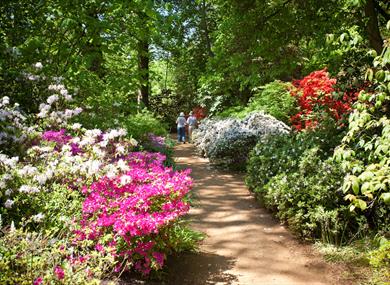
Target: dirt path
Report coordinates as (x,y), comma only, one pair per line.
(245,244)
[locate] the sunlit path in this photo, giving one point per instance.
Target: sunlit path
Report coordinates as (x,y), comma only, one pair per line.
(244,244)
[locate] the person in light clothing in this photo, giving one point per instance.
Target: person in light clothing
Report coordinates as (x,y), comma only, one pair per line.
(181,128)
(192,123)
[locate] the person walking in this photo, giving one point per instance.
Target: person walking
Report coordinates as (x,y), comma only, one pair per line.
(181,128)
(192,123)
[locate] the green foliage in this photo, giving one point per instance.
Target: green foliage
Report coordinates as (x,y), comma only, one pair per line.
(293,176)
(281,154)
(311,202)
(364,152)
(380,257)
(144,123)
(27,256)
(138,125)
(273,98)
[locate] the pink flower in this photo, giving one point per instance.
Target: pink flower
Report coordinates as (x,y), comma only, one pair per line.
(38,281)
(59,272)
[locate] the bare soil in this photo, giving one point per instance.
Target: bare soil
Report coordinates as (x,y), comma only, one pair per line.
(244,244)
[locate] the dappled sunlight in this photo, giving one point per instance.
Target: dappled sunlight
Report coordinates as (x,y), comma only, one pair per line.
(237,227)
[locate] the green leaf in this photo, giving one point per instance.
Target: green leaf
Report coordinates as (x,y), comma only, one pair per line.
(369,74)
(366,187)
(355,185)
(386,198)
(361,204)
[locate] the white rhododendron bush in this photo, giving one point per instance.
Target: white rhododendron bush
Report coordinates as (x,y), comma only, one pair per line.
(228,141)
(79,204)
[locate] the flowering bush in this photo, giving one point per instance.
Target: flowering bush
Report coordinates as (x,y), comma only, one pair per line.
(294,176)
(228,141)
(130,215)
(318,100)
(86,190)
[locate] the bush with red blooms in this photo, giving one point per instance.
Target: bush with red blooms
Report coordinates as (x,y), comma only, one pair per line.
(199,112)
(319,100)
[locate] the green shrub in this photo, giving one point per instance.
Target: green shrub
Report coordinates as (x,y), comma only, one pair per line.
(294,176)
(273,98)
(281,154)
(311,202)
(142,124)
(138,125)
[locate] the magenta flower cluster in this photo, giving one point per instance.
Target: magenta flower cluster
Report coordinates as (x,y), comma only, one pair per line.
(60,137)
(135,209)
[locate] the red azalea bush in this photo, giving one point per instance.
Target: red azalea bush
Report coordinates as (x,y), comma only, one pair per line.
(318,99)
(199,112)
(129,216)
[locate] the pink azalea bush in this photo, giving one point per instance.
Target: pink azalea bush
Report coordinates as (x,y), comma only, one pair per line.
(134,209)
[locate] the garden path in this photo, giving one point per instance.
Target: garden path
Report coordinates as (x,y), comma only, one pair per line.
(244,245)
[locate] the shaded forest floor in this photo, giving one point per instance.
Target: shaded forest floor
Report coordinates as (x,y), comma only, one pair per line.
(244,244)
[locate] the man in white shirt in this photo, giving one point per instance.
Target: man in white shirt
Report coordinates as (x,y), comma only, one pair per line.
(181,128)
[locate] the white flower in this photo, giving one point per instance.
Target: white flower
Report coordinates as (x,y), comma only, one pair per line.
(8,192)
(38,218)
(5,100)
(125,179)
(2,184)
(32,77)
(77,111)
(8,204)
(52,99)
(122,165)
(64,92)
(28,189)
(120,149)
(76,126)
(68,114)
(133,142)
(68,97)
(98,151)
(41,179)
(38,65)
(66,148)
(92,167)
(12,229)
(27,170)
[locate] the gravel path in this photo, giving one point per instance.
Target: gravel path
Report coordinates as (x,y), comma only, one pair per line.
(244,244)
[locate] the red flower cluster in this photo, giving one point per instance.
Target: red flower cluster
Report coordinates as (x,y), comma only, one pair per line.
(318,99)
(199,112)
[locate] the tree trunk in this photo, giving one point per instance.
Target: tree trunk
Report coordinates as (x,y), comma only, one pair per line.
(205,28)
(143,68)
(374,35)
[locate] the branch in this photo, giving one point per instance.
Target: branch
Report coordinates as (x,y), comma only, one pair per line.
(275,12)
